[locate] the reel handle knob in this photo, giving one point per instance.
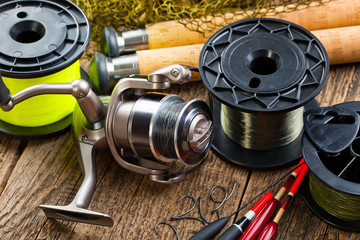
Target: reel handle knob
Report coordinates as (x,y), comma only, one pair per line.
(5,96)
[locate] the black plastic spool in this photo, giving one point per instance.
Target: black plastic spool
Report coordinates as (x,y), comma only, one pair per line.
(262,65)
(326,171)
(40,38)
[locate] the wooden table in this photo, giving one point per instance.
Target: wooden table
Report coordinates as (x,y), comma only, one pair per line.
(46,172)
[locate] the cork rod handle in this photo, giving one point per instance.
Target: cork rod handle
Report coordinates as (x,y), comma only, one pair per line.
(332,14)
(341,44)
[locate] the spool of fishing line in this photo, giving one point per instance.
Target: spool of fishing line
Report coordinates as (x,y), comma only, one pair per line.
(331,149)
(42,42)
(262,74)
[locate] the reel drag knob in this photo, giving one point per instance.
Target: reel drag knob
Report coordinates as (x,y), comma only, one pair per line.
(200,133)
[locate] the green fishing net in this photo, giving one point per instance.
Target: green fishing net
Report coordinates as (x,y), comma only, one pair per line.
(136,13)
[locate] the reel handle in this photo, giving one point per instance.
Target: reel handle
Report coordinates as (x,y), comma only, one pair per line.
(92,107)
(87,140)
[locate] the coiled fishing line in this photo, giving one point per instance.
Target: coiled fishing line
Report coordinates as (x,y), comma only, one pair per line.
(163,129)
(41,43)
(261,131)
(262,74)
(338,204)
(332,190)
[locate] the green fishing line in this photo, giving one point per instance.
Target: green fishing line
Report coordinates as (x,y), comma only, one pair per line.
(45,109)
(338,204)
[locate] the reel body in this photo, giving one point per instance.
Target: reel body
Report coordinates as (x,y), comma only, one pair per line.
(148,115)
(153,134)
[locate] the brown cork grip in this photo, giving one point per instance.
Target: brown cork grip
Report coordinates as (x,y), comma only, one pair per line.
(341,44)
(151,60)
(333,14)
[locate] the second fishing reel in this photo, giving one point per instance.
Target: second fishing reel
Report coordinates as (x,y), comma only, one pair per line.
(158,135)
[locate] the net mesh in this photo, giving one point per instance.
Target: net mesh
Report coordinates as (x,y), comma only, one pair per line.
(196,15)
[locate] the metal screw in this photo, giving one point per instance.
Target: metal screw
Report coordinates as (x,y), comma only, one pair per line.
(175,72)
(84,138)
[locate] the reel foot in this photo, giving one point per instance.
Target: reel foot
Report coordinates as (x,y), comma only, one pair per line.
(73,213)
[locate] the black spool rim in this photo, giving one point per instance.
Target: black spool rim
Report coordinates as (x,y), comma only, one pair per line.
(59,35)
(318,168)
(15,131)
(50,130)
(229,76)
(232,152)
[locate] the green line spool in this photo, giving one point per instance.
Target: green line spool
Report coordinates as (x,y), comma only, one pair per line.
(43,43)
(332,190)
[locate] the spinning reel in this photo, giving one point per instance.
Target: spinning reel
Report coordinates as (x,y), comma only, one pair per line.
(161,136)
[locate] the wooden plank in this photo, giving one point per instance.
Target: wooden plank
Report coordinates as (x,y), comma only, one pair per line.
(32,181)
(10,151)
(337,86)
(139,220)
(113,194)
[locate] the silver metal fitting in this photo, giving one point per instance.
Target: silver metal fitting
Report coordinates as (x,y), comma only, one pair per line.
(175,73)
(105,72)
(133,40)
(114,44)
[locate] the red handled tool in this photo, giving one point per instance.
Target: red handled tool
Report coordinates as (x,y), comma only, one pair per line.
(211,230)
(270,230)
(215,227)
(268,211)
(235,231)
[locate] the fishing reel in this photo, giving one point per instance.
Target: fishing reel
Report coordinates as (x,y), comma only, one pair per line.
(158,135)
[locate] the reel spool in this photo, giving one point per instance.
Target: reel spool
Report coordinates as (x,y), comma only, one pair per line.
(41,43)
(331,149)
(260,72)
(161,136)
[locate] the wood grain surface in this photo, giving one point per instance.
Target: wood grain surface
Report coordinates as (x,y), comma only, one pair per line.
(46,172)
